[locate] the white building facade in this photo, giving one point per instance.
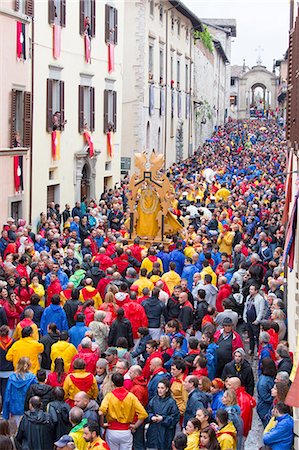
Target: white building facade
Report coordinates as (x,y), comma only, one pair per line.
(74,77)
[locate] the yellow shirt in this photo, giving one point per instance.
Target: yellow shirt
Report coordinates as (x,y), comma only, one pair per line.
(40,291)
(179,394)
(18,332)
(172,279)
(123,411)
(28,347)
(70,389)
(142,283)
(193,441)
(96,297)
(64,350)
(209,271)
(148,264)
(225,242)
(222,194)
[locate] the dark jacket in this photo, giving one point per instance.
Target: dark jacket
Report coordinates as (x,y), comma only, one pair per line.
(59,412)
(91,411)
(121,328)
(285,365)
(154,309)
(43,391)
(265,400)
(173,308)
(186,315)
(70,308)
(160,434)
(5,344)
(141,346)
(194,402)
(155,380)
(37,313)
(245,374)
(35,431)
(48,340)
(201,311)
(3,318)
(95,274)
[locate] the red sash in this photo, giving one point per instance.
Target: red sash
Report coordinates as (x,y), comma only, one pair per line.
(83,384)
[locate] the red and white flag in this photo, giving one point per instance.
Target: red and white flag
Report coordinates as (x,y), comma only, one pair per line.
(89,141)
(110,57)
(87,48)
(56,145)
(18,173)
(56,41)
(21,52)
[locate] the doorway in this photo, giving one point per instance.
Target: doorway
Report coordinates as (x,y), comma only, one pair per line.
(85,182)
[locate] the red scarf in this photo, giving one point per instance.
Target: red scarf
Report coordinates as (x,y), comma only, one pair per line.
(120,393)
(5,343)
(83,384)
(87,295)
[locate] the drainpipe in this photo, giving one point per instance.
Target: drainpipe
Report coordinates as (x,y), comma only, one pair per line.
(32,102)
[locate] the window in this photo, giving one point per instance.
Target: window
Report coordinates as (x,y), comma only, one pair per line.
(232,81)
(110,110)
(187,33)
(161,64)
(53,194)
(55,103)
(233,100)
(150,62)
(16,210)
(161,13)
(20,119)
(186,78)
(152,7)
(111,23)
(25,7)
(172,23)
(57,12)
(171,70)
(88,17)
(178,73)
(86,108)
(179,26)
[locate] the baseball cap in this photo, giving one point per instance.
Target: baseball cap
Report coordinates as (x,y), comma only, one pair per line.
(63,441)
(227,321)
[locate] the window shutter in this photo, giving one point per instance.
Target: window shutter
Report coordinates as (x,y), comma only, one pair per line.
(106,128)
(92,109)
(63,11)
(115,25)
(17,5)
(61,91)
(27,119)
(93,18)
(49,105)
(51,7)
(81,16)
(114,110)
(107,23)
(29,8)
(13,114)
(81,109)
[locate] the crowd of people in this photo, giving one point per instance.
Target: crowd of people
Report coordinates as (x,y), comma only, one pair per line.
(111,344)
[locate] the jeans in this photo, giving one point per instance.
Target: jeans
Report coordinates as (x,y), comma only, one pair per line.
(253,334)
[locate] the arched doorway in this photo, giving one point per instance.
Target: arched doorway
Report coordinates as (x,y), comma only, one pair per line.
(85,182)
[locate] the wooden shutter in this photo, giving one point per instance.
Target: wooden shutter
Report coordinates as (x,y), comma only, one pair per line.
(27,119)
(92,108)
(51,7)
(81,16)
(115,25)
(13,114)
(29,8)
(49,105)
(81,109)
(61,92)
(17,5)
(62,12)
(93,18)
(107,23)
(106,94)
(114,110)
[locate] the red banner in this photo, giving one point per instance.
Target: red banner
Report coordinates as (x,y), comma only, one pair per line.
(56,145)
(109,144)
(21,40)
(18,173)
(110,57)
(87,45)
(89,141)
(56,41)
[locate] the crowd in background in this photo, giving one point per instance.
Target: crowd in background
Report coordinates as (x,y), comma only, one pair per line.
(107,343)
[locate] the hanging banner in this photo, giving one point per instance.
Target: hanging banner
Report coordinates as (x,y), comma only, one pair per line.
(89,141)
(56,145)
(18,173)
(56,41)
(87,45)
(109,143)
(21,42)
(110,57)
